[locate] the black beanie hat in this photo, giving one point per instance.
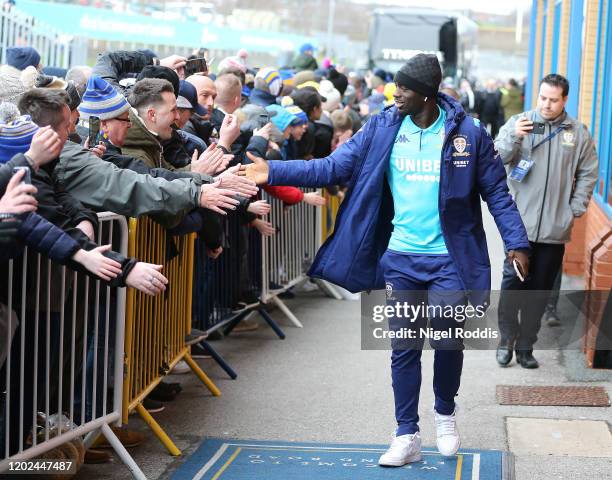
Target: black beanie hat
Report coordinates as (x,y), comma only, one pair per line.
(339,80)
(165,73)
(422,74)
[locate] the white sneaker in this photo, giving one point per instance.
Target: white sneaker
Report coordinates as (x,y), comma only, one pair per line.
(181,368)
(447,435)
(404,449)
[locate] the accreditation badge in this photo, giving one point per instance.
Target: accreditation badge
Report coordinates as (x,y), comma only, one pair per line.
(521,170)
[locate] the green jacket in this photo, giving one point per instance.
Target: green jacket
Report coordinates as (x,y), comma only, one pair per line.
(143,144)
(305,62)
(102,186)
(512,102)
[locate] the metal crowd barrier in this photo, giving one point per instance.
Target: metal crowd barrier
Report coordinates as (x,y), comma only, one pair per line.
(227,289)
(253,270)
(156,327)
(288,254)
(329,214)
(59,49)
(63,376)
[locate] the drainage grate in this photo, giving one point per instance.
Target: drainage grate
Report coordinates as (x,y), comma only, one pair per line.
(556,396)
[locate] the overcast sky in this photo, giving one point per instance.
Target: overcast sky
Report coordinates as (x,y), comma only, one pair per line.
(500,7)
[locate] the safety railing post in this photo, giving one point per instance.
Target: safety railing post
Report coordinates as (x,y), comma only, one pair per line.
(156,327)
(46,352)
(56,48)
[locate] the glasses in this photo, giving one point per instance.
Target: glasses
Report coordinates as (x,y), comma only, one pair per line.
(126,120)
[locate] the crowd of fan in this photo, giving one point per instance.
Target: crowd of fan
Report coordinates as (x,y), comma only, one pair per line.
(170,145)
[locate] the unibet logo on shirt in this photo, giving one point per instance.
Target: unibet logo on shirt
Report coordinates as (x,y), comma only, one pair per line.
(414,178)
(418,170)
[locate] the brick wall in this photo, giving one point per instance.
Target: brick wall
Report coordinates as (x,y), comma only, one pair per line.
(573,262)
(598,249)
(597,271)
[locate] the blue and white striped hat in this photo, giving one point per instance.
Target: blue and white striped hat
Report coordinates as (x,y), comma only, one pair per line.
(270,81)
(301,117)
(16,132)
(102,100)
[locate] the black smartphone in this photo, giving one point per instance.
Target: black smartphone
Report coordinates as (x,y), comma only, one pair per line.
(196,65)
(27,177)
(538,128)
(94,131)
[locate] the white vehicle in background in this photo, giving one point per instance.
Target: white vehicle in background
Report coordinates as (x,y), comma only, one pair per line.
(397,34)
(202,12)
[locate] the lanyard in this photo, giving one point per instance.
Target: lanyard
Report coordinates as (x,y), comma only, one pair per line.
(547,139)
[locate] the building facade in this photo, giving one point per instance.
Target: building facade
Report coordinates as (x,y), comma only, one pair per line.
(574,38)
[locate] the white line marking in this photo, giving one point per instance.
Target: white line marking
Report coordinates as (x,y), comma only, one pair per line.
(476,466)
(211,462)
(222,449)
(344,449)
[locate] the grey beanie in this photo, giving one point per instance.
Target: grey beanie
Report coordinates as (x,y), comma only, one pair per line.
(422,74)
(11,86)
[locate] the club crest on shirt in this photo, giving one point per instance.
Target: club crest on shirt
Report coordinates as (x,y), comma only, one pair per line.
(461,146)
(568,139)
(389,291)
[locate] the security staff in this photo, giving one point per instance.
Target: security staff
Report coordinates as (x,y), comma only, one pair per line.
(552,169)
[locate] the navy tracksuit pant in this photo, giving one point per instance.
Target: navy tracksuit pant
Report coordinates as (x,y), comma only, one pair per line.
(429,280)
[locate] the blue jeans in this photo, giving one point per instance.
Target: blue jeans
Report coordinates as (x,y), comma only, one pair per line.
(431,280)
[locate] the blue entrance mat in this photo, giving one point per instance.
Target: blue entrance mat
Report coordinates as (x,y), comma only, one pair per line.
(257,460)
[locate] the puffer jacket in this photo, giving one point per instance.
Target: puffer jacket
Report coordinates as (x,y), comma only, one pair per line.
(44,237)
(470,170)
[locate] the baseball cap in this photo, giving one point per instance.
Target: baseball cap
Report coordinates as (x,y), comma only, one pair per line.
(188,98)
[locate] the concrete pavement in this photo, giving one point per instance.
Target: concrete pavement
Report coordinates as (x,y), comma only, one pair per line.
(319,386)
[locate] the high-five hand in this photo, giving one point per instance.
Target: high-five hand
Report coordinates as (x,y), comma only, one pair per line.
(257,171)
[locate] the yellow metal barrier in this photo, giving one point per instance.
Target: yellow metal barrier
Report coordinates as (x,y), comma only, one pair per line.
(156,326)
(328,215)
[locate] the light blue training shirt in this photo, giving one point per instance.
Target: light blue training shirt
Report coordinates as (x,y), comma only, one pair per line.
(414,177)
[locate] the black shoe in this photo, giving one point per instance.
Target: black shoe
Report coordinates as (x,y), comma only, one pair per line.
(170,387)
(161,394)
(526,359)
(503,355)
(287,295)
(214,336)
(552,319)
(195,336)
(153,406)
(199,352)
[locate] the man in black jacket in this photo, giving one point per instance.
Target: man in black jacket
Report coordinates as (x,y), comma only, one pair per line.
(121,67)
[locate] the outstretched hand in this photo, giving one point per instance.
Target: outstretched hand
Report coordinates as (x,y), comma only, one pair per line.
(95,261)
(242,186)
(215,198)
(147,278)
(314,198)
(260,207)
(257,171)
